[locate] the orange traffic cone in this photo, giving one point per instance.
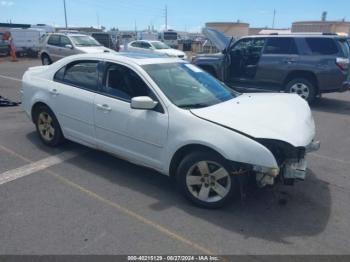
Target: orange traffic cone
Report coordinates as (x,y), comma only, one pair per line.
(13,55)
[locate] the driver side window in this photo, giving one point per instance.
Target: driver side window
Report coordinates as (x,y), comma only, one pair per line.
(123,83)
(145,45)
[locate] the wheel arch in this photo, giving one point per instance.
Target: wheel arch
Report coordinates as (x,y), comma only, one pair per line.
(309,75)
(184,151)
(36,106)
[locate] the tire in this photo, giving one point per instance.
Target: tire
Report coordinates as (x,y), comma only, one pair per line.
(48,127)
(302,87)
(193,182)
(46,60)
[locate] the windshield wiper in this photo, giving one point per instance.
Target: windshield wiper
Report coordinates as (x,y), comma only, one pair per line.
(198,105)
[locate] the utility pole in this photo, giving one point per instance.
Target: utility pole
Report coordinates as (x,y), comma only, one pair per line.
(65,13)
(166,18)
(274,17)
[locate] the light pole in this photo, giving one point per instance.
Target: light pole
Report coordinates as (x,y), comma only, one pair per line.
(65,13)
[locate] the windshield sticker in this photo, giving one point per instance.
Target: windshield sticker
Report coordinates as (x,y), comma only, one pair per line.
(194,68)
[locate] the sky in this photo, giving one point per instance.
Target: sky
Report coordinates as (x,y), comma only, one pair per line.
(183,15)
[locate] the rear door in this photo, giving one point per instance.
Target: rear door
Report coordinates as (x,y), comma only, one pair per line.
(73,92)
(280,56)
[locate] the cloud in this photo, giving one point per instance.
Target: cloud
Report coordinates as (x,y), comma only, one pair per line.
(6,3)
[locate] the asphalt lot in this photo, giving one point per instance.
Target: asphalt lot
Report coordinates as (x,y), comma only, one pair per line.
(75,200)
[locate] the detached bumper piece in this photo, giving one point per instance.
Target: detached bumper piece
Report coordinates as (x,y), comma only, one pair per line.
(295,170)
(345,86)
(6,102)
(313,146)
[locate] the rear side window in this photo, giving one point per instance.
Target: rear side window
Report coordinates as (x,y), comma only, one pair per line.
(135,44)
(54,40)
(344,46)
(280,45)
(322,46)
(82,74)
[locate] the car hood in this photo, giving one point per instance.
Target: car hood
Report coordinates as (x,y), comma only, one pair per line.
(219,39)
(170,52)
(93,49)
(284,117)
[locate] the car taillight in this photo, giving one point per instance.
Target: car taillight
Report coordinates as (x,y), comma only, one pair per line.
(343,63)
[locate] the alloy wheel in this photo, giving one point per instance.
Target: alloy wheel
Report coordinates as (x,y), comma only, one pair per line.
(45,126)
(208,181)
(300,89)
(46,60)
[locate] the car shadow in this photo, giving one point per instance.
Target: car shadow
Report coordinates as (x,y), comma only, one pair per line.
(304,209)
(332,105)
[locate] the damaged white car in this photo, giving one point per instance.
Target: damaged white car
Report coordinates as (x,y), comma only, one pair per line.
(171,116)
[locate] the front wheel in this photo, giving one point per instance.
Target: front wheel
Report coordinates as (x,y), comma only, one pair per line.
(302,87)
(205,179)
(45,60)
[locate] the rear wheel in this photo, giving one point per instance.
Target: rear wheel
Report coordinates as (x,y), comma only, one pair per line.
(47,126)
(45,60)
(205,179)
(302,87)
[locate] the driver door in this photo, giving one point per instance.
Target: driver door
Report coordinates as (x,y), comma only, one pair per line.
(138,135)
(245,56)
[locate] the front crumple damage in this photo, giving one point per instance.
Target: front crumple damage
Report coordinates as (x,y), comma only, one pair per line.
(291,161)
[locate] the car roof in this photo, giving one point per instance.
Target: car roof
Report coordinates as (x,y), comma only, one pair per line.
(130,58)
(68,34)
(297,35)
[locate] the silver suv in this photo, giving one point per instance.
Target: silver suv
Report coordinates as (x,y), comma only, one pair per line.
(59,45)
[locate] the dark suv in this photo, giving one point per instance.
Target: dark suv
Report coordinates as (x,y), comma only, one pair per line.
(305,64)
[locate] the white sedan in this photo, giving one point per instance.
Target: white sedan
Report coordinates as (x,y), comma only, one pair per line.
(155,47)
(171,116)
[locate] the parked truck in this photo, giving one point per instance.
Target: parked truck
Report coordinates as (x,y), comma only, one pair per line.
(27,41)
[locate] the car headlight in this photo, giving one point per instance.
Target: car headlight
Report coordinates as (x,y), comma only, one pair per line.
(270,171)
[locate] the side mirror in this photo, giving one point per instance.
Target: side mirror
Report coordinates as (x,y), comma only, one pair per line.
(68,46)
(143,102)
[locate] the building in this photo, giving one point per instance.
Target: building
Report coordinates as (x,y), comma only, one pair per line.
(268,31)
(7,26)
(340,27)
(235,29)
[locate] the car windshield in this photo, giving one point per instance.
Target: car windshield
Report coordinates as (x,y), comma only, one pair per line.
(187,86)
(84,40)
(160,45)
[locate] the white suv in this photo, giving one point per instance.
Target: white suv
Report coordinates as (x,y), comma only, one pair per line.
(169,115)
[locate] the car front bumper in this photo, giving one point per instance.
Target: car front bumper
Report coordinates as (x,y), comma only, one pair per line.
(346,86)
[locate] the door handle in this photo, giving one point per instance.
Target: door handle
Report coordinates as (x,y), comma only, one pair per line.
(289,61)
(54,92)
(104,107)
